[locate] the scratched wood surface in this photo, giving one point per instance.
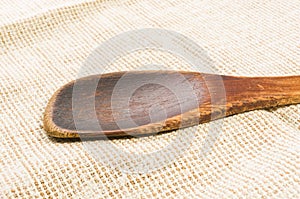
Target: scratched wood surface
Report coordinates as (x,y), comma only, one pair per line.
(146,102)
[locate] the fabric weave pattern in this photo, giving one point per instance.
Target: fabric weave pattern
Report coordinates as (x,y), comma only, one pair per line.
(43,46)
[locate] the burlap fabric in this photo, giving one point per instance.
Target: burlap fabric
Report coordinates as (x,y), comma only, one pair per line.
(43,46)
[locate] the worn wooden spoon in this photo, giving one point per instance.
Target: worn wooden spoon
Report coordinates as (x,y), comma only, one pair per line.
(146,102)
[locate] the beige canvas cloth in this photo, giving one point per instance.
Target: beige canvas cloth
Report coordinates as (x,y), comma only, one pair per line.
(43,46)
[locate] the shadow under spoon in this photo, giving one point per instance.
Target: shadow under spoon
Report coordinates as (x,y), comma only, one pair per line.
(139,103)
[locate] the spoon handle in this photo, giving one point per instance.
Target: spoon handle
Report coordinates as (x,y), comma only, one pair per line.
(220,96)
(251,93)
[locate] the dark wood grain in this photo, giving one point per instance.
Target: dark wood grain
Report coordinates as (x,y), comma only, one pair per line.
(157,101)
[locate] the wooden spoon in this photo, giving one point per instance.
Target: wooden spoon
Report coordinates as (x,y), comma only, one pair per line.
(146,102)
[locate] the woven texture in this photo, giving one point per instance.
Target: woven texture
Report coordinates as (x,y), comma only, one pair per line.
(43,46)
